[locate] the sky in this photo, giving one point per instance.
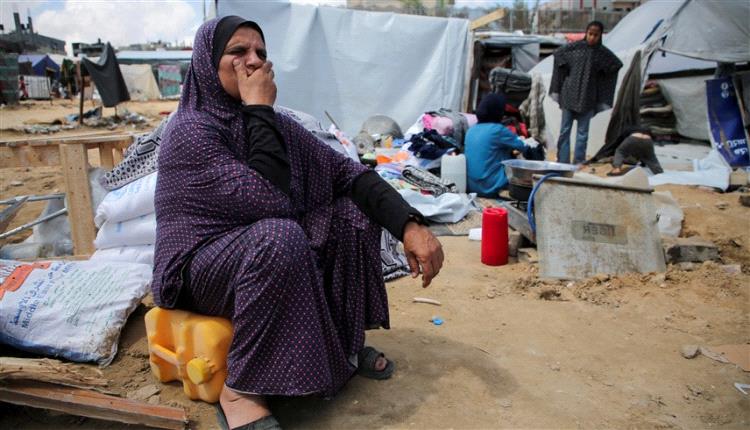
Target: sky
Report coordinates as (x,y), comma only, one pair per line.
(122,22)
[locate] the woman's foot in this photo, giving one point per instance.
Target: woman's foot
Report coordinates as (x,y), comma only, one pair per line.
(374,365)
(240,409)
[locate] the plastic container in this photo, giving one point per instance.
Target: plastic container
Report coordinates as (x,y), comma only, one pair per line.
(495,236)
(191,348)
(453,169)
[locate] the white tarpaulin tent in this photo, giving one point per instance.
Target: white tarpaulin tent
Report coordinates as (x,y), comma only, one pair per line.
(723,37)
(355,64)
(140,82)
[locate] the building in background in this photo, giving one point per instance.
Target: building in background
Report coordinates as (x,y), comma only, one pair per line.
(88,49)
(599,5)
(30,42)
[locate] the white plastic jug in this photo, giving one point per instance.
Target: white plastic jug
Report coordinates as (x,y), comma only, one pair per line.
(453,169)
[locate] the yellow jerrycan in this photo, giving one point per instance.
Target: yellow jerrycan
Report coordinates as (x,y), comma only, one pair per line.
(189,347)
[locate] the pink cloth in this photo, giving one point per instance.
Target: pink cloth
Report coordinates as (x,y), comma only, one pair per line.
(471,118)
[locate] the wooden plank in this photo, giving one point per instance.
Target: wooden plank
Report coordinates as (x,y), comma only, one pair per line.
(91,404)
(80,139)
(105,156)
(486,19)
(52,371)
(29,156)
(117,156)
(80,212)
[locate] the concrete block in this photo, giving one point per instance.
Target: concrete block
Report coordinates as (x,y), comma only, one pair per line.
(688,249)
(514,242)
(745,200)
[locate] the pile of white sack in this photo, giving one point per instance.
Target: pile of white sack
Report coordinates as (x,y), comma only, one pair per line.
(127,223)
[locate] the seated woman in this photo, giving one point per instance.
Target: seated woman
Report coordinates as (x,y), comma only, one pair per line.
(635,146)
(487,144)
(261,223)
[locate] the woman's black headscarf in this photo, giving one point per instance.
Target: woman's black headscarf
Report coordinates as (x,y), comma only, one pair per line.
(491,108)
(225,28)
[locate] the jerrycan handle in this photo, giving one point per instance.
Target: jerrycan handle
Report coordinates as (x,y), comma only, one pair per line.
(164,354)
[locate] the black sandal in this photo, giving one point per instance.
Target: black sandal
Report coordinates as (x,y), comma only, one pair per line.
(266,423)
(367,358)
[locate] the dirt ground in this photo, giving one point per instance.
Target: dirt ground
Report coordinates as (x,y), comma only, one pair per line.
(515,351)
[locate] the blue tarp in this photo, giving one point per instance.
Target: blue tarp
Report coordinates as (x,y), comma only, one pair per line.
(40,64)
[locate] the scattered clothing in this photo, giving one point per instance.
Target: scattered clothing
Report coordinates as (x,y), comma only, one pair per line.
(628,107)
(108,78)
(427,182)
(459,124)
(533,108)
(431,145)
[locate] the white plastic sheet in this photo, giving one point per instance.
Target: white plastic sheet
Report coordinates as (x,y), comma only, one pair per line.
(712,171)
(447,208)
(355,64)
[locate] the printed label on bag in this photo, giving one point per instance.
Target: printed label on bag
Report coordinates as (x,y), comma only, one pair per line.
(12,276)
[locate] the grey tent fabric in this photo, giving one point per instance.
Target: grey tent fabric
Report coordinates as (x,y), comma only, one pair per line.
(108,78)
(713,30)
(627,108)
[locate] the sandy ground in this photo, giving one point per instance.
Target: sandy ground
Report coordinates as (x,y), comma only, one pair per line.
(515,351)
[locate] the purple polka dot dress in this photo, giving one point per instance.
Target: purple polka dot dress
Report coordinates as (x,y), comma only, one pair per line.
(298,275)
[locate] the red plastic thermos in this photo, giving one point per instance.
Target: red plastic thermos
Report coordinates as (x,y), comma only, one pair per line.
(495,236)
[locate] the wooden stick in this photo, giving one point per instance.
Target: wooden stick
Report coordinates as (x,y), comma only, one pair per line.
(91,404)
(428,301)
(48,370)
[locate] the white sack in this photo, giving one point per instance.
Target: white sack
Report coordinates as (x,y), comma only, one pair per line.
(448,207)
(126,254)
(128,202)
(136,231)
(75,310)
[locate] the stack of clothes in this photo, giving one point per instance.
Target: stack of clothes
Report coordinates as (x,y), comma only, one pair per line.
(657,115)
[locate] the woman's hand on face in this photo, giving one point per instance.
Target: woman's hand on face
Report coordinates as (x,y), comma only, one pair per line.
(423,250)
(256,87)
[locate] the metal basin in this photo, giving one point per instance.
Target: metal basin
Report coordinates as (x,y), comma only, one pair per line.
(520,172)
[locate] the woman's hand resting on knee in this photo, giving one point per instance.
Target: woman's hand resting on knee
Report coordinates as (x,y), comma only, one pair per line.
(422,250)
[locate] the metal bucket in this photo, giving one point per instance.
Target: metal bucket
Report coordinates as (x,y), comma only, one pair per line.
(520,174)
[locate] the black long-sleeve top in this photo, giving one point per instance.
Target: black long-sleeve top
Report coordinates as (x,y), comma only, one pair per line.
(372,195)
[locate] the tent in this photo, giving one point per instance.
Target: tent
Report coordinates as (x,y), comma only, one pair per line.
(41,65)
(354,64)
(691,34)
(140,82)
